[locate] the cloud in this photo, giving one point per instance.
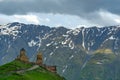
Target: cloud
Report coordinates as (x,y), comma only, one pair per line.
(90,12)
(98,18)
(51,20)
(27,18)
(110,17)
(103,18)
(71,7)
(1,0)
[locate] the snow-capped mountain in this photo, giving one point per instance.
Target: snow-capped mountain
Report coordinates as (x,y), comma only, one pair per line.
(69,49)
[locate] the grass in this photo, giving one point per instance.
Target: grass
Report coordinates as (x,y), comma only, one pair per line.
(8,72)
(13,66)
(105,51)
(106,70)
(33,75)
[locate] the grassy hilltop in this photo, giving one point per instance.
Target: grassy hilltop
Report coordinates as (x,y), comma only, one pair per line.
(18,70)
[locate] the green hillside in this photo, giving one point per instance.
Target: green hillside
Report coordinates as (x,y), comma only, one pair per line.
(102,66)
(18,70)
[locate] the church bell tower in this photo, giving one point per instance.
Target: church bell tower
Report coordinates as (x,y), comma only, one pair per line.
(39,60)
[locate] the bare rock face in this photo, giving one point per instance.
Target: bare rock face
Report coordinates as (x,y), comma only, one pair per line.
(23,56)
(39,60)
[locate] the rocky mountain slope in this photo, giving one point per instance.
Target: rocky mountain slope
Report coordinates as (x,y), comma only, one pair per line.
(69,49)
(101,66)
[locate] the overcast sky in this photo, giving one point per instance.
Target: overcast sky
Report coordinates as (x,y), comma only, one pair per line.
(68,13)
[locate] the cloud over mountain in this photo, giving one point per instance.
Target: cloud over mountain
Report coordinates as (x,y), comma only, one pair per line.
(94,11)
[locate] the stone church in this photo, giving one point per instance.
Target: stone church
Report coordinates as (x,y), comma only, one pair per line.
(39,60)
(22,56)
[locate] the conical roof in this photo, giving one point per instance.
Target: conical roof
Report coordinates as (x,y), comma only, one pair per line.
(22,49)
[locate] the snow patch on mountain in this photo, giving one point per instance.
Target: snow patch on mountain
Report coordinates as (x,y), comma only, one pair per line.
(32,43)
(71,45)
(65,67)
(71,57)
(83,41)
(76,31)
(6,30)
(65,35)
(49,43)
(51,53)
(47,36)
(111,38)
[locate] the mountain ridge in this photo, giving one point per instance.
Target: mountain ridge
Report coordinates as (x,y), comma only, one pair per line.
(66,48)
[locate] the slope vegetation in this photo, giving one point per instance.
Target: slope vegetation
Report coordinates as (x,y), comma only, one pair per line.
(18,70)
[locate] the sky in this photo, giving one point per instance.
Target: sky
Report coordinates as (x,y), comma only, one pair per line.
(67,13)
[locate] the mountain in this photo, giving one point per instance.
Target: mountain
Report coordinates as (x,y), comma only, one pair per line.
(71,50)
(101,66)
(18,70)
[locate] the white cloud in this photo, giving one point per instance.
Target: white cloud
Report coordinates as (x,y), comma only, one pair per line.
(101,18)
(53,20)
(27,18)
(47,19)
(117,20)
(1,0)
(98,18)
(109,16)
(15,0)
